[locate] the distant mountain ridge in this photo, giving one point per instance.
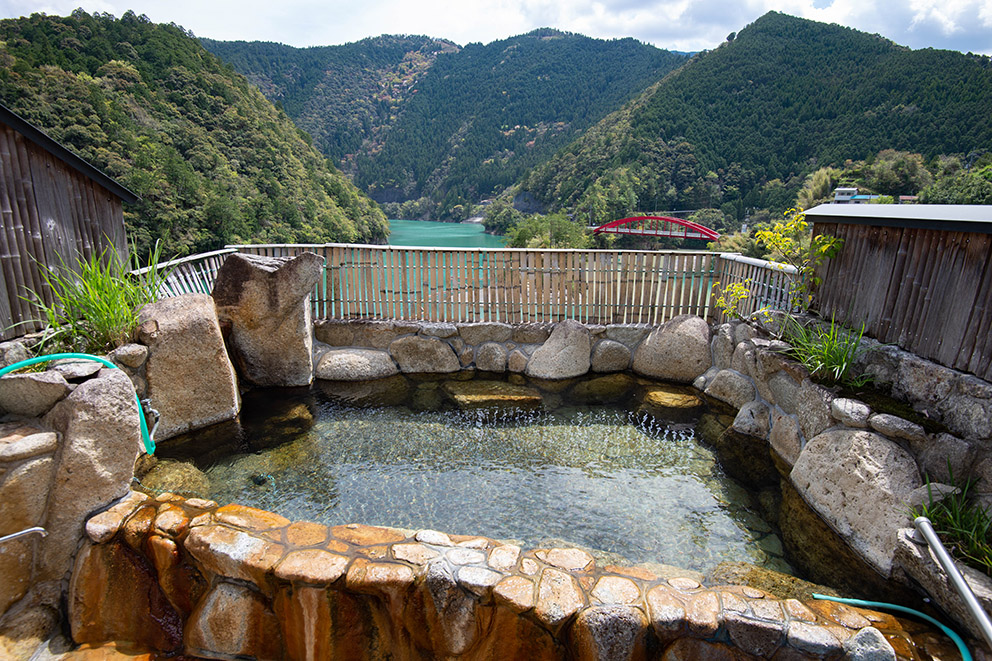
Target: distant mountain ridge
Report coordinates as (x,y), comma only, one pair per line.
(463,123)
(340,95)
(740,126)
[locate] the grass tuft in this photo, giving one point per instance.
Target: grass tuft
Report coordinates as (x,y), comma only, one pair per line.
(829,353)
(95,307)
(962,524)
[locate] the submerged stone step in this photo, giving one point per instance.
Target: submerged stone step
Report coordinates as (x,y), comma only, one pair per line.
(471,395)
(672,403)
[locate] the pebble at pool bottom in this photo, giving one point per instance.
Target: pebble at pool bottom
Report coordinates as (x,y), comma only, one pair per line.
(595,477)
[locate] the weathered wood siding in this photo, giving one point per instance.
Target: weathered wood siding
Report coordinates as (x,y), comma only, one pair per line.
(929,291)
(508,285)
(49,214)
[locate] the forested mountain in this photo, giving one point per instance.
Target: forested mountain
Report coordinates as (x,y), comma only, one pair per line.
(212,159)
(455,126)
(340,95)
(740,126)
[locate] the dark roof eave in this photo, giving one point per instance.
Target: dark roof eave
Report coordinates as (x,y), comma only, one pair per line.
(40,138)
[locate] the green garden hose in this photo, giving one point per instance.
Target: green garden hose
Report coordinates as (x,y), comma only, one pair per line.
(965,654)
(145,436)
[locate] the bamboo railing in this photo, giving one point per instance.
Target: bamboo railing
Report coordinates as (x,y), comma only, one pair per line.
(767,282)
(507,285)
(190,275)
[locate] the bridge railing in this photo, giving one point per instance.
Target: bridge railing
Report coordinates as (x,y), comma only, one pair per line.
(508,285)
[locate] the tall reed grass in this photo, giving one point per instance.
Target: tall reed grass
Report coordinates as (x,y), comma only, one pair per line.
(95,306)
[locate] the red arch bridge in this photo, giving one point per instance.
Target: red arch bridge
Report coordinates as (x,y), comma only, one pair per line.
(657,225)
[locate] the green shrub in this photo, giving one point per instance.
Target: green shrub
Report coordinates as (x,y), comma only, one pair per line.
(95,307)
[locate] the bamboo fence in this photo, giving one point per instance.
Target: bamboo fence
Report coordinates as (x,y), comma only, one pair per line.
(51,215)
(927,290)
(506,285)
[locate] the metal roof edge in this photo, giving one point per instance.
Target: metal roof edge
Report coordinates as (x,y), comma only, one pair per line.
(946,217)
(43,140)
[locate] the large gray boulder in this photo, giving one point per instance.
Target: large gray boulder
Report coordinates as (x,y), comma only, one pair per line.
(191,381)
(859,483)
(565,354)
(266,302)
(676,351)
(424,355)
(101,438)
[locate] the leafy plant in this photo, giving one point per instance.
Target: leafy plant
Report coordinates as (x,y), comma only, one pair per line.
(732,296)
(95,307)
(962,524)
(792,242)
(829,353)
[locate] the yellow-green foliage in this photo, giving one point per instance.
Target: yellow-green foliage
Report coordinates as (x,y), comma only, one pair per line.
(791,241)
(732,296)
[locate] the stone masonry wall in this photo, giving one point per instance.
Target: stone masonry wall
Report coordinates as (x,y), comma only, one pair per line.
(228,582)
(69,437)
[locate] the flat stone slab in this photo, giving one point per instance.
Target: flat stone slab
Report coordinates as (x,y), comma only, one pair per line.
(32,394)
(471,395)
(21,440)
(675,403)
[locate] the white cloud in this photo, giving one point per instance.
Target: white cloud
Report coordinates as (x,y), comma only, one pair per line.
(964,25)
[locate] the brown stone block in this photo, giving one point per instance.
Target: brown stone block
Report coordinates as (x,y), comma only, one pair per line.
(559,596)
(250,518)
(137,527)
(610,633)
(516,593)
(234,553)
(362,535)
(567,559)
(233,621)
(703,614)
(416,554)
(102,527)
(667,608)
(306,533)
(171,520)
(753,635)
(114,595)
(313,566)
(387,578)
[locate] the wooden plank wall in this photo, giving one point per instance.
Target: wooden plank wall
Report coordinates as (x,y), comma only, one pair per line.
(928,291)
(508,285)
(49,214)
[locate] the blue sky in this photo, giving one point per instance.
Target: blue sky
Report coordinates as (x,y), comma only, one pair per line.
(688,25)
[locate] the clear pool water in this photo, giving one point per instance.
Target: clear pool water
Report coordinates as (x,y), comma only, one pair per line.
(598,477)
